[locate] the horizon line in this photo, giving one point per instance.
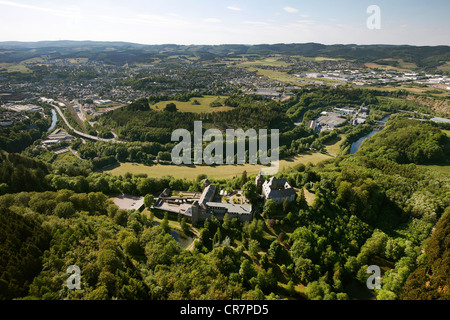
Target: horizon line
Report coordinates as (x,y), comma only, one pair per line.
(222,44)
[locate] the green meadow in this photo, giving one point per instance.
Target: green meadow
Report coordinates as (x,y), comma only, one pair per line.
(195,105)
(218,172)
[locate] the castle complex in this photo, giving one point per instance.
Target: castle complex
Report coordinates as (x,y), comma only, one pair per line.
(198,207)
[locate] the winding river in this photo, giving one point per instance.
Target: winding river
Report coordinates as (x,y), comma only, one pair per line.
(357,144)
(54,120)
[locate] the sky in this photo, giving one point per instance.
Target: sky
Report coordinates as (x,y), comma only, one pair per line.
(206,22)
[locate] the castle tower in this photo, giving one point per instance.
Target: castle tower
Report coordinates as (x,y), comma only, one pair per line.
(259,181)
(206,183)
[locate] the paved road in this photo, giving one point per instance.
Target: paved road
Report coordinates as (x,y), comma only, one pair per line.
(82,134)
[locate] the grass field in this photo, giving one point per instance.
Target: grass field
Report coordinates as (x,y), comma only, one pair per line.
(410,88)
(402,66)
(316,59)
(319,59)
(252,66)
(218,172)
(441,169)
(333,147)
(310,197)
(204,105)
(445,66)
(18,68)
(269,62)
(67,157)
(276,75)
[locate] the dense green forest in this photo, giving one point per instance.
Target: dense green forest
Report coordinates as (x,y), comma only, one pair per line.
(24,133)
(367,209)
(137,122)
(409,141)
(431,279)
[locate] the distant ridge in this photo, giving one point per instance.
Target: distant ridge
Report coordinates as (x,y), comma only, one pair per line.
(116,52)
(309,46)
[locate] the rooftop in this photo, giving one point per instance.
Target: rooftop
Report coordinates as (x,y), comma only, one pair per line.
(330,120)
(127,202)
(232,208)
(442,120)
(281,193)
(207,195)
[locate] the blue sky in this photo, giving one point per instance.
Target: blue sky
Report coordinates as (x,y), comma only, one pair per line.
(221,21)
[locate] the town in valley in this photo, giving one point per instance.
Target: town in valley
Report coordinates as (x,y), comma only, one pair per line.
(88,179)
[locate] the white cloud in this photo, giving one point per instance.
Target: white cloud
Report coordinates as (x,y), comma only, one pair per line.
(212,20)
(234,8)
(306,22)
(290,10)
(256,23)
(155,19)
(70,12)
(147,20)
(304,15)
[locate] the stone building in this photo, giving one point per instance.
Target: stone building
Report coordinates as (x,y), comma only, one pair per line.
(200,209)
(276,189)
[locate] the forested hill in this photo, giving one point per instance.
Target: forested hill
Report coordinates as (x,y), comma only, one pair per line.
(430,281)
(122,52)
(409,141)
(367,210)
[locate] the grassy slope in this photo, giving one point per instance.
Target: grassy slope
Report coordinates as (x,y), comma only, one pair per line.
(224,171)
(189,107)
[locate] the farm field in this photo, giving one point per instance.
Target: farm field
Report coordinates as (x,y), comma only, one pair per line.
(402,66)
(276,75)
(415,90)
(15,68)
(219,172)
(445,66)
(269,62)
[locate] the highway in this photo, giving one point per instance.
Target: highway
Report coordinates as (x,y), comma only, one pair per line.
(82,134)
